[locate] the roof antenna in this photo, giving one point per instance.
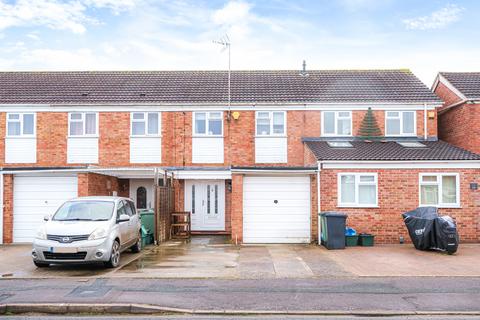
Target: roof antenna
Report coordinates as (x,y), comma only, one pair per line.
(225,43)
(304,72)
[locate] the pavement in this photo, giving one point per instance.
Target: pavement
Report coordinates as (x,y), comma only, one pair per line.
(216,258)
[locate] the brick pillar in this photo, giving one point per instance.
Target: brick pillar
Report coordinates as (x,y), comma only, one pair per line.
(237,208)
(7,208)
(83,184)
(314,206)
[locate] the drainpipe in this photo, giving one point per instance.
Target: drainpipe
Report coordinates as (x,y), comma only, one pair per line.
(425,130)
(319,227)
(1,208)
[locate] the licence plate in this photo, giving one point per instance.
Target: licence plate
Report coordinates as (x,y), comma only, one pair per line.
(63,250)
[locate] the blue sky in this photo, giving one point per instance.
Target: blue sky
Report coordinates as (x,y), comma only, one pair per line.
(424,36)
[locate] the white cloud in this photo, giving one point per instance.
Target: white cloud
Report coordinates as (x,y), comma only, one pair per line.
(436,20)
(56,14)
(116,6)
(53,14)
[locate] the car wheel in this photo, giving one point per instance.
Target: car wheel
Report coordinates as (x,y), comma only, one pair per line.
(114,256)
(137,247)
(41,265)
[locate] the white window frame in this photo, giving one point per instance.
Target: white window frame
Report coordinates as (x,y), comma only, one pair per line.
(207,117)
(439,183)
(84,124)
(402,134)
(336,124)
(146,121)
(270,116)
(357,203)
(20,120)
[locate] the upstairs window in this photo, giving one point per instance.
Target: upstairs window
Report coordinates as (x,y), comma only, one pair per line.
(400,123)
(83,124)
(336,123)
(270,123)
(207,123)
(20,124)
(145,123)
(440,190)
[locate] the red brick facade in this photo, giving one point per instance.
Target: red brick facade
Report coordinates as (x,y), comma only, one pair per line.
(458,125)
(398,189)
(398,192)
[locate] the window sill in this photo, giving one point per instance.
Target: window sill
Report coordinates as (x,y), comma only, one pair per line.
(442,206)
(82,137)
(336,136)
(207,136)
(359,206)
(270,136)
(20,137)
(145,136)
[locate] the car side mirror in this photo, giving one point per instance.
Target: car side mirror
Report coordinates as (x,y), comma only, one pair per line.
(123,218)
(46,217)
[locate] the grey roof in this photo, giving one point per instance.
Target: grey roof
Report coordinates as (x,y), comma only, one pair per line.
(388,151)
(210,87)
(468,83)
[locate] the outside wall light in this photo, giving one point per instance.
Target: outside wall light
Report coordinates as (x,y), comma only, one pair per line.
(431,115)
(235,115)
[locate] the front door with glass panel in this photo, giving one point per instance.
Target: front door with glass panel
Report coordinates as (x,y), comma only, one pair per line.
(205,199)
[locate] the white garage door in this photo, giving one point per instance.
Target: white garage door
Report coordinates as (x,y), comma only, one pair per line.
(276,209)
(34,197)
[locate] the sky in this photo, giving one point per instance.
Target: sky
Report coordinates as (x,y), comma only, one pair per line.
(423,36)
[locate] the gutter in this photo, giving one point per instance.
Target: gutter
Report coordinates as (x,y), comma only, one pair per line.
(445,109)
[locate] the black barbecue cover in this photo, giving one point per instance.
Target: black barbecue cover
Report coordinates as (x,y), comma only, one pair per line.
(429,231)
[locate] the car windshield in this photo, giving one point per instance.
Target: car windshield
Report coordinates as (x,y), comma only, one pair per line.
(84,211)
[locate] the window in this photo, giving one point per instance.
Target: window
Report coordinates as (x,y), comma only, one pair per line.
(339,144)
(270,123)
(20,124)
(357,189)
(83,124)
(141,198)
(128,208)
(208,123)
(439,190)
(336,123)
(145,123)
(400,123)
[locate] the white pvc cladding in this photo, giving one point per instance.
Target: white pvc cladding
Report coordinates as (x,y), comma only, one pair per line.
(217,107)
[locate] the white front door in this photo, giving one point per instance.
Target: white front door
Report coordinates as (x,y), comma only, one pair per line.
(205,199)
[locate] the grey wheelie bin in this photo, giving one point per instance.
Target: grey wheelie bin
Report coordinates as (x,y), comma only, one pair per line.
(332,225)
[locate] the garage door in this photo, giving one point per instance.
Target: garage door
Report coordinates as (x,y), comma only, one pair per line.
(276,209)
(34,197)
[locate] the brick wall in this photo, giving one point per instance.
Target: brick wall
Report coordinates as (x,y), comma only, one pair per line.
(7,208)
(398,192)
(447,95)
(239,137)
(93,184)
(237,209)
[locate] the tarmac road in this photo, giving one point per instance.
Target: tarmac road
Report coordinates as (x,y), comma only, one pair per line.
(233,318)
(357,295)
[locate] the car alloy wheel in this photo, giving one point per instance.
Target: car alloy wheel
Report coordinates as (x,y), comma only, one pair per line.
(114,256)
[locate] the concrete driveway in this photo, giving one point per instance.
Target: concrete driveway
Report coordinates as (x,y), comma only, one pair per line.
(215,257)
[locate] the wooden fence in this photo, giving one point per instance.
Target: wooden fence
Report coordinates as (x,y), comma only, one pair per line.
(164,206)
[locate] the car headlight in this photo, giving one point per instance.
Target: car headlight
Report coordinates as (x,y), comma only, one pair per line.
(41,234)
(99,233)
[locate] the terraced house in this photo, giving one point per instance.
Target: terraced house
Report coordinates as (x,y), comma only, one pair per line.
(289,144)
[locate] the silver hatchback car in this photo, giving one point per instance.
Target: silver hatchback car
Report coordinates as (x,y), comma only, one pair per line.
(88,230)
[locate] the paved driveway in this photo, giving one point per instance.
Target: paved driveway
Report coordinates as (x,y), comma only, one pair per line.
(215,257)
